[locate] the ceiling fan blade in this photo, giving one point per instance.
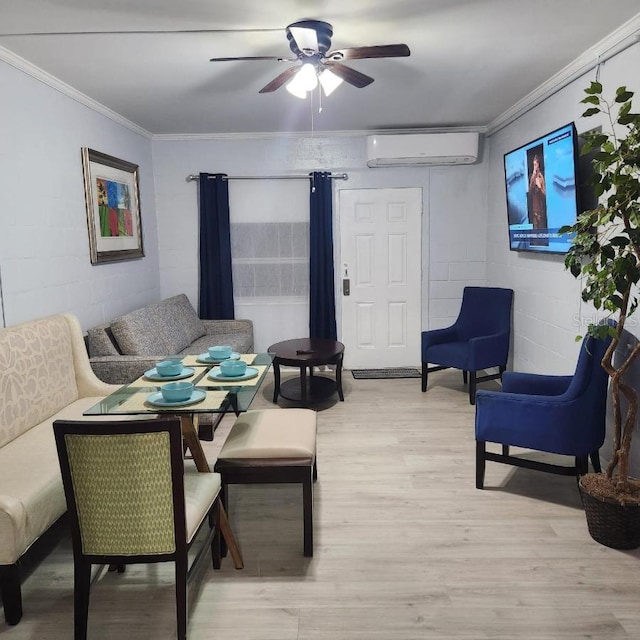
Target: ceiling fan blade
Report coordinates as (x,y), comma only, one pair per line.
(306,39)
(359,53)
(350,75)
(279,80)
(272,58)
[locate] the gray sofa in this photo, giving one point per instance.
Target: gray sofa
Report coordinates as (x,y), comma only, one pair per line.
(122,350)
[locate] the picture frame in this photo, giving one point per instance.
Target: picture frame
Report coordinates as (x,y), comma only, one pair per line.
(112,198)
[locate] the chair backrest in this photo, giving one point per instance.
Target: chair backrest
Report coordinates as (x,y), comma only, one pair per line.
(484,311)
(124,486)
(590,380)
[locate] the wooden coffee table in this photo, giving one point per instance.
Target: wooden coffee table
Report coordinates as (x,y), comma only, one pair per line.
(306,353)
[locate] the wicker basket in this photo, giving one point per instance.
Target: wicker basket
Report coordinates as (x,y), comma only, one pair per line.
(610,523)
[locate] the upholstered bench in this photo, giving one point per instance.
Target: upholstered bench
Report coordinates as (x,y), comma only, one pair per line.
(273,446)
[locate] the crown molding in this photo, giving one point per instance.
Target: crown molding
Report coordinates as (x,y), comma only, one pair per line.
(622,38)
(311,134)
(55,83)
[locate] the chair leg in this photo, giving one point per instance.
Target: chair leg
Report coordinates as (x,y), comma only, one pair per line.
(502,369)
(472,387)
(505,449)
(181,593)
(424,376)
(10,592)
(582,465)
(214,521)
(480,463)
(307,507)
(315,469)
(595,461)
(81,586)
(224,496)
(464,376)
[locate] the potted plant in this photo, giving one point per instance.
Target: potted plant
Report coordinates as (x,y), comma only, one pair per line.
(606,254)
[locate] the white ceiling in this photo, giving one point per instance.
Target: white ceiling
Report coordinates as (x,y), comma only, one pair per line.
(471,60)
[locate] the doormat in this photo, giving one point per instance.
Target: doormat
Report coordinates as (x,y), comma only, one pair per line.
(376,374)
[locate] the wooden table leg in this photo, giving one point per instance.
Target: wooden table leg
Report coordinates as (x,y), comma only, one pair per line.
(276,385)
(229,538)
(303,384)
(189,428)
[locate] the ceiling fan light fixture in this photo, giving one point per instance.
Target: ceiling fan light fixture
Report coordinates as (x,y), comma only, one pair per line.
(329,82)
(295,89)
(308,75)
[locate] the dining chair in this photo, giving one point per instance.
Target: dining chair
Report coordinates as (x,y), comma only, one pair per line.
(477,340)
(130,501)
(553,414)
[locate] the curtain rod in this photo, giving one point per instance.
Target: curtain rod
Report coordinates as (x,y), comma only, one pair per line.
(337,176)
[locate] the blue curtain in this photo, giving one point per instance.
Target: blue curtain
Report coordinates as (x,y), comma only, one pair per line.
(322,303)
(216,281)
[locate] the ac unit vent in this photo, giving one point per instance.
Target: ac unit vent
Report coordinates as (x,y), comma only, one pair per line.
(422,149)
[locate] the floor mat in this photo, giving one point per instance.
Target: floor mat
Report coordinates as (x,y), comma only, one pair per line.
(376,374)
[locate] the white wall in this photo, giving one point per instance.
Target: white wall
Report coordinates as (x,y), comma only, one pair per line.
(549,311)
(454,221)
(44,246)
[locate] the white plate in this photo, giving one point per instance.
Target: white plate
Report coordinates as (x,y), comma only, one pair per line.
(207,359)
(157,400)
(216,374)
(153,374)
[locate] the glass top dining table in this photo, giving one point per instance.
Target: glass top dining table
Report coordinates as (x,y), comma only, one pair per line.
(215,394)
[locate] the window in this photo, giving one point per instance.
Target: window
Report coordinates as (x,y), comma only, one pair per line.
(270,259)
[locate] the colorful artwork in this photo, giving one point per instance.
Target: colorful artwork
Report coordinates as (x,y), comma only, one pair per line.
(114,209)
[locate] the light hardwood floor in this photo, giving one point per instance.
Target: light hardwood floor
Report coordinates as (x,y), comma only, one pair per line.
(405,547)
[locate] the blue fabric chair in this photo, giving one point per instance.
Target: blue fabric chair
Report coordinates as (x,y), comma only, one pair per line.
(555,414)
(478,340)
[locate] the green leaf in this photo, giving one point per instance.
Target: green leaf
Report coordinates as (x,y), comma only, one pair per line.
(594,87)
(590,112)
(575,269)
(591,100)
(622,95)
(627,119)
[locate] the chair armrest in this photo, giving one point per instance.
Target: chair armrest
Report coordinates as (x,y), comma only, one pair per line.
(543,423)
(438,336)
(534,384)
(488,351)
(122,369)
(214,327)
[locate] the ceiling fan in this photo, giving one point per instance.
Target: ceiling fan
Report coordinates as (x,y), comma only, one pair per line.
(310,42)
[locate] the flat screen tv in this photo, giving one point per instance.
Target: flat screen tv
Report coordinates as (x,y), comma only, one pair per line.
(541,179)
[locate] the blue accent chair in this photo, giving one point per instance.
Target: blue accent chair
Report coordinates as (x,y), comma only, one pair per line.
(555,414)
(478,340)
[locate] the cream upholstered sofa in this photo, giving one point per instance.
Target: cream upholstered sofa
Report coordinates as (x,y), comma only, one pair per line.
(122,350)
(44,375)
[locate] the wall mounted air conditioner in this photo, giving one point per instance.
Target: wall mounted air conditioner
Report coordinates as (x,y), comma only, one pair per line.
(412,149)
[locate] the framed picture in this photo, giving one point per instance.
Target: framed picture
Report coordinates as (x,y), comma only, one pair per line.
(113,207)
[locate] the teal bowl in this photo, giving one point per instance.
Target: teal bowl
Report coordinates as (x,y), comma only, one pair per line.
(169,367)
(233,368)
(177,391)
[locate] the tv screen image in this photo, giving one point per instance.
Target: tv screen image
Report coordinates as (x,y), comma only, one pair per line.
(540,179)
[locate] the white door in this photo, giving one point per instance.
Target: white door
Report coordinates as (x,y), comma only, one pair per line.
(380,239)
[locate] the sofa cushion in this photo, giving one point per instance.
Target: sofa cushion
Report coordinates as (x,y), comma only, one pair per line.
(187,316)
(163,328)
(100,341)
(32,496)
(37,375)
(148,332)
